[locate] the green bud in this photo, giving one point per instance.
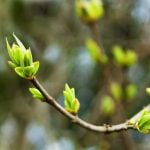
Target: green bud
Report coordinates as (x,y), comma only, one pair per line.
(131,91)
(124,58)
(89,10)
(143,123)
(107,105)
(27,72)
(71,103)
(116,91)
(36,93)
(118,54)
(148,91)
(131,58)
(21,59)
(28,58)
(95,52)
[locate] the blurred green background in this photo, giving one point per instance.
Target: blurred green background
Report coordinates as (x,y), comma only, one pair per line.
(57,39)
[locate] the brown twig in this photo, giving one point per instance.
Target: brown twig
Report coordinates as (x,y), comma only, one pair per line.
(75,119)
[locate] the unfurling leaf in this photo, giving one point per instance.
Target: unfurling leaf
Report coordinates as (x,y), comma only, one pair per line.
(71,103)
(36,93)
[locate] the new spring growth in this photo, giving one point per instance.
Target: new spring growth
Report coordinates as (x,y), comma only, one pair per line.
(124,57)
(89,10)
(21,59)
(148,91)
(143,123)
(36,94)
(95,52)
(71,103)
(107,105)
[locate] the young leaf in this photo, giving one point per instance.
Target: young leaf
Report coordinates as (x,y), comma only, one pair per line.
(19,43)
(143,123)
(20,71)
(36,67)
(36,93)
(71,103)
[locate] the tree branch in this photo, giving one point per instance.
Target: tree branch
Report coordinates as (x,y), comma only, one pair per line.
(75,119)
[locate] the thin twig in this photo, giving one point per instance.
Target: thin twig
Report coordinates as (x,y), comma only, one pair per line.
(75,119)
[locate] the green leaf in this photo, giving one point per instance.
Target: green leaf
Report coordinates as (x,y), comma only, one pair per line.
(28,58)
(143,123)
(25,72)
(20,56)
(28,71)
(11,64)
(20,71)
(36,67)
(16,55)
(75,106)
(10,52)
(19,43)
(36,93)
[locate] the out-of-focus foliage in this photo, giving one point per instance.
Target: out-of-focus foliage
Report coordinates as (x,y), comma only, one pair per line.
(125,58)
(107,105)
(89,10)
(131,91)
(96,52)
(116,91)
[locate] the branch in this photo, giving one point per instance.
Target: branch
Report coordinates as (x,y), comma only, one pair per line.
(75,119)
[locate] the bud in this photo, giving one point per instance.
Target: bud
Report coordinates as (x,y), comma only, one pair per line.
(124,57)
(21,59)
(143,123)
(131,58)
(95,52)
(116,91)
(107,105)
(131,91)
(71,103)
(89,10)
(148,91)
(36,93)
